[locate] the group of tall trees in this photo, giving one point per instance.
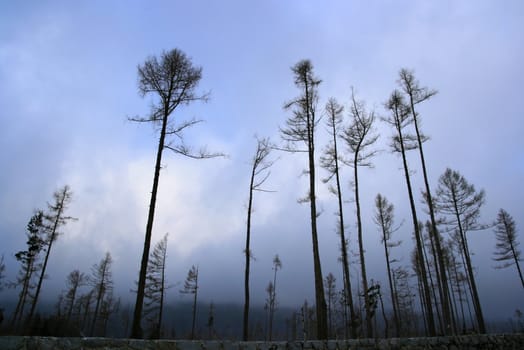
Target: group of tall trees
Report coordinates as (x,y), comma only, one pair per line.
(441,260)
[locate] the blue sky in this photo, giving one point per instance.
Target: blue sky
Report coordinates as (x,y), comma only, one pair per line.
(68,82)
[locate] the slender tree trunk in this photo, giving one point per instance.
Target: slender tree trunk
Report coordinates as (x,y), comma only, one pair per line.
(431,285)
(443,280)
(70,309)
(348,294)
(320,300)
(245,326)
(514,253)
(422,267)
(194,310)
(393,303)
(369,324)
(19,311)
(136,331)
(162,290)
(99,297)
(469,269)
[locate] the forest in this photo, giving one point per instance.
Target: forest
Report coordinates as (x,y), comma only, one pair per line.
(434,293)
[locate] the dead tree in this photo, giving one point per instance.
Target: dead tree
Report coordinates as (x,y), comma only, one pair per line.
(54,220)
(330,162)
(300,128)
(173,79)
(399,119)
(506,247)
(460,203)
(384,218)
(259,174)
(359,138)
(417,94)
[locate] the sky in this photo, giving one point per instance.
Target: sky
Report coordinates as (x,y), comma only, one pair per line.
(68,84)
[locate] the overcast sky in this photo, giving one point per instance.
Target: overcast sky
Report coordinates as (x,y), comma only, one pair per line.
(68,82)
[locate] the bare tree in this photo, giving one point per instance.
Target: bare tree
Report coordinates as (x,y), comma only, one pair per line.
(173,79)
(259,174)
(359,138)
(330,162)
(102,282)
(156,286)
(460,203)
(507,245)
(54,219)
(417,94)
(331,294)
(384,218)
(300,128)
(75,280)
(191,287)
(399,119)
(272,290)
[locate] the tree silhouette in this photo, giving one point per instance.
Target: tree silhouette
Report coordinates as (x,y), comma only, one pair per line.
(330,295)
(156,286)
(330,162)
(29,265)
(507,245)
(417,94)
(272,291)
(461,203)
(359,138)
(300,128)
(399,119)
(384,218)
(54,219)
(75,280)
(259,174)
(2,272)
(191,287)
(102,282)
(173,79)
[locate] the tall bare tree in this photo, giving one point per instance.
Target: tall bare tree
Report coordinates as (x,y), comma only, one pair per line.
(507,245)
(418,94)
(460,203)
(359,138)
(173,79)
(330,162)
(102,282)
(54,220)
(401,143)
(300,128)
(75,280)
(191,287)
(259,174)
(384,218)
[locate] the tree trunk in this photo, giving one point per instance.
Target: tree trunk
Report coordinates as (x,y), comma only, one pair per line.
(320,300)
(423,273)
(348,294)
(393,303)
(136,331)
(469,269)
(369,325)
(245,325)
(443,280)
